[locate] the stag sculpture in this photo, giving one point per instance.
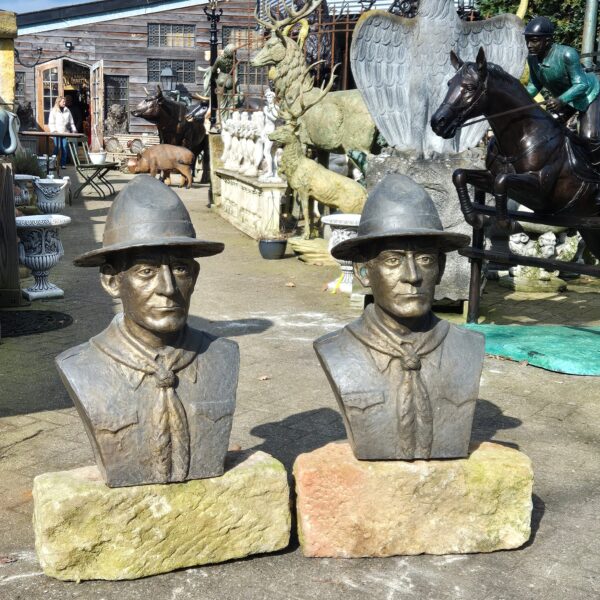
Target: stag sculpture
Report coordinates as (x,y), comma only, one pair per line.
(341,122)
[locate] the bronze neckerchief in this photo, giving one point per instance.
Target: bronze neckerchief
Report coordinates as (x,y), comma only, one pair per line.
(405,349)
(171,436)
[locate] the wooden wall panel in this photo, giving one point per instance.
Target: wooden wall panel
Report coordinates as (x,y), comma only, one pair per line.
(123,45)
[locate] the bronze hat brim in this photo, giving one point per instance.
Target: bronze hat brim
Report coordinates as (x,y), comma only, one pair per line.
(193,248)
(446,242)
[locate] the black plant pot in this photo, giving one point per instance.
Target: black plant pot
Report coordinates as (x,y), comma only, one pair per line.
(272,249)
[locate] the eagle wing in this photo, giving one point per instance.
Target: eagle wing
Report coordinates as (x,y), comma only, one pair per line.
(381,65)
(502,39)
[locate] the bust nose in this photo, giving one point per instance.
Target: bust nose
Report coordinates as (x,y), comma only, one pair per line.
(165,285)
(409,272)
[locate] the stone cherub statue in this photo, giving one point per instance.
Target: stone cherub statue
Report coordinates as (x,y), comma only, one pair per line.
(116,120)
(406,381)
(156,397)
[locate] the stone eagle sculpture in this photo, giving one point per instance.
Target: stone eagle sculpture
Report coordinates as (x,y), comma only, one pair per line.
(401,67)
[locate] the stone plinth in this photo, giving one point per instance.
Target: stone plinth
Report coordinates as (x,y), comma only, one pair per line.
(85,530)
(251,205)
(349,508)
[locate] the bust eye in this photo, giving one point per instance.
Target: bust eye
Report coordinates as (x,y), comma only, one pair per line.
(146,272)
(470,88)
(180,269)
(426,260)
(392,261)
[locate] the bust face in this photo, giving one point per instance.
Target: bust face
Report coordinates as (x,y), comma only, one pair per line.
(155,288)
(403,277)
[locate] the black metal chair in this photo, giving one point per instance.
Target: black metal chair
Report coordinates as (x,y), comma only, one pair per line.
(93,175)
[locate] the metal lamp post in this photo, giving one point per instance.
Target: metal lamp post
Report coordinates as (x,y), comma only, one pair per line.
(213,14)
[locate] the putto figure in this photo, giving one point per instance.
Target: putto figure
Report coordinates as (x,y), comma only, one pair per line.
(406,382)
(156,396)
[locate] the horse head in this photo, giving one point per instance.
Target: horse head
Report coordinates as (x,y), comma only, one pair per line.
(466,95)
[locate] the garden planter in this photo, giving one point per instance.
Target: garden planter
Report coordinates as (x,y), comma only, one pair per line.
(272,249)
(98,158)
(51,194)
(23,194)
(343,227)
(40,249)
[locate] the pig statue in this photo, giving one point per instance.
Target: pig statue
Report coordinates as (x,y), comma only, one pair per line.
(164,158)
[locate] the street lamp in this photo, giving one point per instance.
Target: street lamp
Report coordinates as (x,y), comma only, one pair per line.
(213,14)
(168,79)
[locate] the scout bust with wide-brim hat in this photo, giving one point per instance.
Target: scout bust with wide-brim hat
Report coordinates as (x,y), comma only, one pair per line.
(146,213)
(398,208)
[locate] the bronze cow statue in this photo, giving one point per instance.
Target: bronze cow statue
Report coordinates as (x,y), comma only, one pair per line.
(169,116)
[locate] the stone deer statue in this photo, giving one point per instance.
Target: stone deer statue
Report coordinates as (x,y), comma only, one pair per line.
(341,122)
(312,182)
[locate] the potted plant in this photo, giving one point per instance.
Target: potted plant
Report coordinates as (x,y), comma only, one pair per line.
(272,247)
(97,153)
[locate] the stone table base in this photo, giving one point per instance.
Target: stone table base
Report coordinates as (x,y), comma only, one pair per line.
(349,508)
(85,530)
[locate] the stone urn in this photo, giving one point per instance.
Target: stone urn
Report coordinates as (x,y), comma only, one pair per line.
(47,163)
(22,189)
(343,227)
(51,194)
(40,249)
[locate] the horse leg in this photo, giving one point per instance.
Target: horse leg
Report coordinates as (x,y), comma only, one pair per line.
(482,180)
(523,183)
(591,237)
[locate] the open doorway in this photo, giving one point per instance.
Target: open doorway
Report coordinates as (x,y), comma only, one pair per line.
(81,84)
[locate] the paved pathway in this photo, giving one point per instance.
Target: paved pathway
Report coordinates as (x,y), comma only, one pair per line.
(274,309)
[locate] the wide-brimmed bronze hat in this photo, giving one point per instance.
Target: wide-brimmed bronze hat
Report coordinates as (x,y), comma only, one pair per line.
(398,207)
(147,213)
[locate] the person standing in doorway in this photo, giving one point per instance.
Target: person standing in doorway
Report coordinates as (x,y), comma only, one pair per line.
(61,121)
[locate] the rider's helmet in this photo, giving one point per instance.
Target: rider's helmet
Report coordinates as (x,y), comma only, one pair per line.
(539,26)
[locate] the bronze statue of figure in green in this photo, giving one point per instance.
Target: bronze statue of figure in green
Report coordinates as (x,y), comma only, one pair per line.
(556,69)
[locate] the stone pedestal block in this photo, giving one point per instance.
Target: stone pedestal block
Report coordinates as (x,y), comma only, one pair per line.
(252,206)
(349,508)
(85,530)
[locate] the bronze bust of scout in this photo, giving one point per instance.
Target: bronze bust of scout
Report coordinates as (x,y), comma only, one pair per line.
(156,396)
(406,381)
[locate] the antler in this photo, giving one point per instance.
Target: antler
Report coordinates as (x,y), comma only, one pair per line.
(293,15)
(287,110)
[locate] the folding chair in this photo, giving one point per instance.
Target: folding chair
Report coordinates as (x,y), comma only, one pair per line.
(92,174)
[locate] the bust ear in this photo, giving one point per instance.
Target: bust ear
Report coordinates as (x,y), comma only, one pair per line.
(361,272)
(442,266)
(110,281)
(481,61)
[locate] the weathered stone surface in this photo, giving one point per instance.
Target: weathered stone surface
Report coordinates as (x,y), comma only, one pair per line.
(349,508)
(85,530)
(435,175)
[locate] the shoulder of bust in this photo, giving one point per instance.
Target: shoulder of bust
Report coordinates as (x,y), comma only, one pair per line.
(72,355)
(469,343)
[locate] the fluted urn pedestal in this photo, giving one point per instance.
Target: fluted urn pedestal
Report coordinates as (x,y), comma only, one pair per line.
(343,227)
(40,249)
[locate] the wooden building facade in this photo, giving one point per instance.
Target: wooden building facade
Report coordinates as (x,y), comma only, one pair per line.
(110,51)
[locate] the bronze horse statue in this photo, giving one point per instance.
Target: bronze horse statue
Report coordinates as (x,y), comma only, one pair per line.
(532,158)
(169,116)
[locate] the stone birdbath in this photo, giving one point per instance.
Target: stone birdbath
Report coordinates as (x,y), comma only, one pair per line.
(40,249)
(51,194)
(343,227)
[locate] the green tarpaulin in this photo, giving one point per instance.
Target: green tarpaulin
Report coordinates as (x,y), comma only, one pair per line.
(565,349)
